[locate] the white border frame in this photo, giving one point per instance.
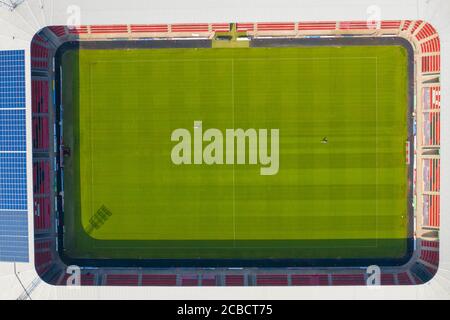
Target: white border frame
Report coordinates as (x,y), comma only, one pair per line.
(18,27)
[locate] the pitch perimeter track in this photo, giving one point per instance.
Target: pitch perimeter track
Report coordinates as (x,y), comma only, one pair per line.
(284,42)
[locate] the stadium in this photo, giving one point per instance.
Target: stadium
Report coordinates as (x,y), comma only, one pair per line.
(355,106)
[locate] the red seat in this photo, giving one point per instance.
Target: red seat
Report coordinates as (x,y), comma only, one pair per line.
(159,280)
(193,27)
(234,280)
(189,280)
(403,279)
(40,94)
(271,280)
(241,27)
(348,279)
(387,279)
(121,28)
(390,24)
(431,257)
(430,244)
(431,63)
(41,137)
(353,25)
(317,25)
(209,280)
(140,28)
(309,280)
(426,31)
(59,31)
(122,279)
(274,26)
(42,213)
(78,30)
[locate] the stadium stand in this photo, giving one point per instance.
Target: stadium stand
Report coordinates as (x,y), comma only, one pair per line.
(41,134)
(395,25)
(432,257)
(208,280)
(429,244)
(40,92)
(142,28)
(122,28)
(426,31)
(189,280)
(431,46)
(38,50)
(404,279)
(195,27)
(242,27)
(78,30)
(41,177)
(434,120)
(45,244)
(431,64)
(432,126)
(427,46)
(275,26)
(39,55)
(41,191)
(421,273)
(42,213)
(406,25)
(58,31)
(432,97)
(159,280)
(431,210)
(42,245)
(415,26)
(387,279)
(87,279)
(354,25)
(432,170)
(271,280)
(43,260)
(222,27)
(122,279)
(310,280)
(348,280)
(317,25)
(234,280)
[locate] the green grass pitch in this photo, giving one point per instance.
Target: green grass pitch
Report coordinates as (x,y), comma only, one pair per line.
(343,199)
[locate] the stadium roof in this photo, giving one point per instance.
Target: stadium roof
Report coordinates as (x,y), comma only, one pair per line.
(13,182)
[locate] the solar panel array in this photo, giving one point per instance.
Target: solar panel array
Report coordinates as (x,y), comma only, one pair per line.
(13,174)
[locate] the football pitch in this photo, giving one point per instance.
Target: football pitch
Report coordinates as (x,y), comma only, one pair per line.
(341,187)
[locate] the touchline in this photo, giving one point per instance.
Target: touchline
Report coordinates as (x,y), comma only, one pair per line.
(210,149)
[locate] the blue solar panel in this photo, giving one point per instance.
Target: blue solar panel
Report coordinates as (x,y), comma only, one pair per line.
(13,173)
(13,236)
(12,130)
(12,79)
(13,181)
